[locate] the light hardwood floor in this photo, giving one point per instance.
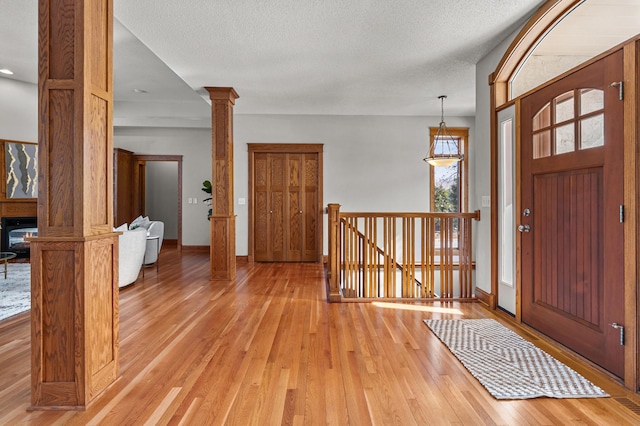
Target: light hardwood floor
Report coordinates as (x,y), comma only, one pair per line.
(268,349)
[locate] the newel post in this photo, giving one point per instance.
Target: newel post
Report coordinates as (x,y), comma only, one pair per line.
(334,252)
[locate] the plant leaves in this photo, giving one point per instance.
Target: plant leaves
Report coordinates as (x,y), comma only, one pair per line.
(206,186)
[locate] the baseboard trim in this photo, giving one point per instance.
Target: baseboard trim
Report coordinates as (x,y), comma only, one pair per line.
(195,249)
(486,298)
(205,249)
(170,242)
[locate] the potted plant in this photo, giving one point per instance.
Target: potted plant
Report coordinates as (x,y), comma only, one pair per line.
(206,187)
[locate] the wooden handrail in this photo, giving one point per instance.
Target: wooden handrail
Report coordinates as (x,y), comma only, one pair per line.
(474,215)
(375,255)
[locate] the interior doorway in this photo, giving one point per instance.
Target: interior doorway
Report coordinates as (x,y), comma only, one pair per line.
(151,173)
(131,180)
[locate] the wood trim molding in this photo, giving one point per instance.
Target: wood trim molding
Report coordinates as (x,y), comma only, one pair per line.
(463,134)
(526,40)
(147,157)
(195,249)
(631,54)
(519,207)
(486,298)
(178,159)
(493,220)
(286,147)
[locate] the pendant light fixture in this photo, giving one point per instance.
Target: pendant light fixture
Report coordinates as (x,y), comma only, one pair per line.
(444,150)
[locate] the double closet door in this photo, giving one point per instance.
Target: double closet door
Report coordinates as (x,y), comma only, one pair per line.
(286,206)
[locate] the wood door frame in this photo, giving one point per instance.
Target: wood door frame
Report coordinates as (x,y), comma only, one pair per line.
(285,148)
(138,158)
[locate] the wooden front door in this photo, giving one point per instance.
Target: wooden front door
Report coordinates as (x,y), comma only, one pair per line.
(572,195)
(286,206)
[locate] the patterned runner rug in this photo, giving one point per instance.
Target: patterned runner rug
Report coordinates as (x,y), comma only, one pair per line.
(508,366)
(15,290)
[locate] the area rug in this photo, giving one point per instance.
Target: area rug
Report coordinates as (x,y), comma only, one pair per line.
(508,366)
(15,290)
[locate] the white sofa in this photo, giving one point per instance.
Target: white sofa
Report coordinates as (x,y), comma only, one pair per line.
(131,248)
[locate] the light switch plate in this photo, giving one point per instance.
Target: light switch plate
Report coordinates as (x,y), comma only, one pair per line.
(486,201)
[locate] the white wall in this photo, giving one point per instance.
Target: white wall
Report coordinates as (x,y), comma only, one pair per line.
(18,110)
(482,160)
(161,195)
(371,163)
(195,147)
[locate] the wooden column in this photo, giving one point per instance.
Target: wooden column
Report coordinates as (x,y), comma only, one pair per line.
(74,260)
(335,295)
(223,219)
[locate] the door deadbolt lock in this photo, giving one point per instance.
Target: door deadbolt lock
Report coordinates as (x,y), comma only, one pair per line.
(526,213)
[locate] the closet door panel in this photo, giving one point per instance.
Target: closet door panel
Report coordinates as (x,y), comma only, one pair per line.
(277,212)
(295,208)
(311,213)
(261,208)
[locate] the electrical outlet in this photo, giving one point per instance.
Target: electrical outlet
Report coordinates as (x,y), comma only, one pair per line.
(190,200)
(242,201)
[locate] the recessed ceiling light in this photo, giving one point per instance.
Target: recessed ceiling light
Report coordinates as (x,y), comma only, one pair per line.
(139,90)
(6,71)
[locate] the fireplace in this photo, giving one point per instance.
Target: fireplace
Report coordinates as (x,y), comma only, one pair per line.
(14,232)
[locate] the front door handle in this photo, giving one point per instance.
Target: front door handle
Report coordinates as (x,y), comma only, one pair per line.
(620,328)
(524,228)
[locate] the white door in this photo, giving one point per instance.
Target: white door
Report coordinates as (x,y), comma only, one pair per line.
(506,210)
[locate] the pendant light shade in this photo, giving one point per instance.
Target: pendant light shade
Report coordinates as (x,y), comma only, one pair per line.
(444,150)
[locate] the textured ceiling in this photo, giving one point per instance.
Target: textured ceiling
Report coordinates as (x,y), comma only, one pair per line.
(331,56)
(306,56)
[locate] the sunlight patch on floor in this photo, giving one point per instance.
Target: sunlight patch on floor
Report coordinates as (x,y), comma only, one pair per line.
(422,308)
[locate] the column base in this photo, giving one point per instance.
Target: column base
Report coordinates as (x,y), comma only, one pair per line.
(74,320)
(223,248)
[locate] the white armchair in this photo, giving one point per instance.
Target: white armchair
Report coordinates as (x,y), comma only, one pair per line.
(155,229)
(131,249)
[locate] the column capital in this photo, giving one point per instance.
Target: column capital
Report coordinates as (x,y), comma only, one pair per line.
(222,94)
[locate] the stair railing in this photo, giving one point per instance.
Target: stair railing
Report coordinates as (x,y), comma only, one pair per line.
(400,255)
